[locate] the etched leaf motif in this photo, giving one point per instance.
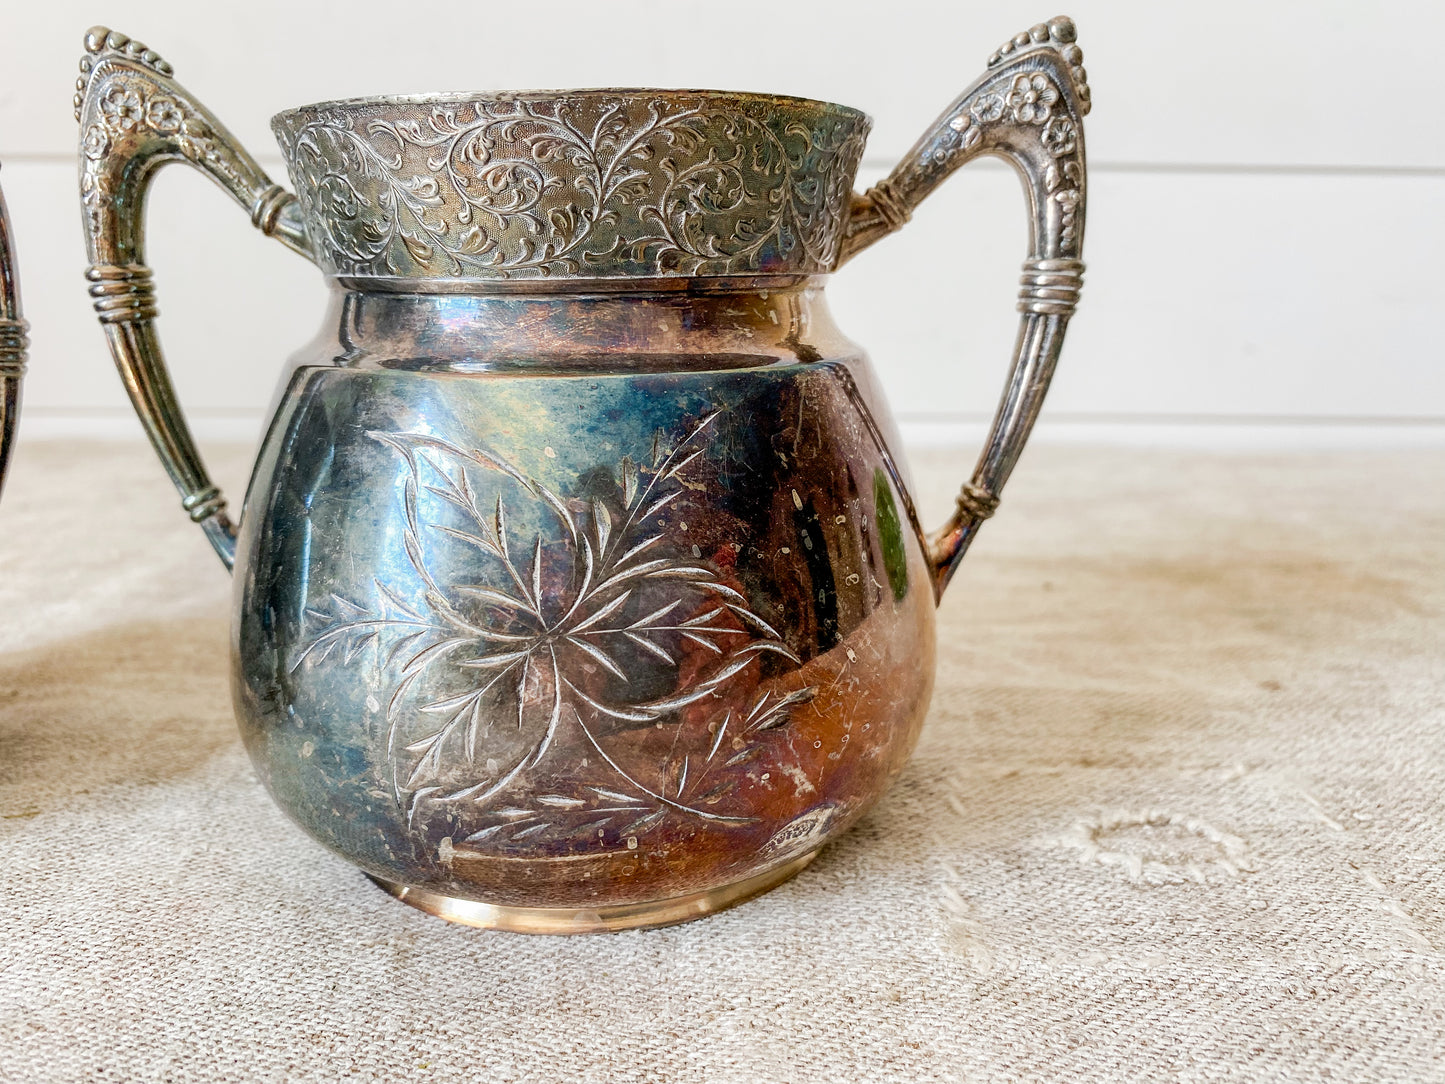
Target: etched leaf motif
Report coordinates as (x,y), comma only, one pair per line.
(419,249)
(557,632)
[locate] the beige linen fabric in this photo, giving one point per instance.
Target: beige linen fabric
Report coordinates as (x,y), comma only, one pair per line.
(1177,815)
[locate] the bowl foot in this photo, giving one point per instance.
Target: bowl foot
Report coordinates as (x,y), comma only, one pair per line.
(607,919)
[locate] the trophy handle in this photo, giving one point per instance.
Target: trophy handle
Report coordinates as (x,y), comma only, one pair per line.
(12,343)
(1028,109)
(133,119)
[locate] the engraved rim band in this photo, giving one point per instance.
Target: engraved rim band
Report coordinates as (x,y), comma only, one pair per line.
(976,502)
(893,210)
(1050,287)
(203,504)
(268,207)
(123,294)
(13,344)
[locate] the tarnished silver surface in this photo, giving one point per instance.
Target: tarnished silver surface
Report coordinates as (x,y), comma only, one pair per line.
(575,184)
(13,343)
(580,585)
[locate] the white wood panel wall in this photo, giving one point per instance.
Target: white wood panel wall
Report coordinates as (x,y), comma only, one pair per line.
(1265,227)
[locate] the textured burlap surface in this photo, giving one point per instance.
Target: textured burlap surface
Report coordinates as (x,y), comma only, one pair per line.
(1177,815)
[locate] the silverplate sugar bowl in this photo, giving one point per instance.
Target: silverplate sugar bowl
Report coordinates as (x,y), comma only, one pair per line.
(579,585)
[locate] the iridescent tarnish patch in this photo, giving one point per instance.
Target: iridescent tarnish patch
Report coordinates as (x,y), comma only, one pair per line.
(890,536)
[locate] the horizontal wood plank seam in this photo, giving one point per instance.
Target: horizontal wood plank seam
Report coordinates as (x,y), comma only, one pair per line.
(273,162)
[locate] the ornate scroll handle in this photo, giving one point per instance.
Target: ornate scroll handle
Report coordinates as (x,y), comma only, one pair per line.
(1027,109)
(134,118)
(12,343)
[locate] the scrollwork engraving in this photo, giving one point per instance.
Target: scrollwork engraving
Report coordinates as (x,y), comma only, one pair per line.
(594,184)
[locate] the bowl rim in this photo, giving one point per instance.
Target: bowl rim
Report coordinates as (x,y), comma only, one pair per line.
(500,96)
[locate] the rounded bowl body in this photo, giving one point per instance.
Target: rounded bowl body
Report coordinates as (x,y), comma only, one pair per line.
(569,601)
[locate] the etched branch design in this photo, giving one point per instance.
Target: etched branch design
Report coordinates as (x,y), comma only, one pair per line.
(557,632)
